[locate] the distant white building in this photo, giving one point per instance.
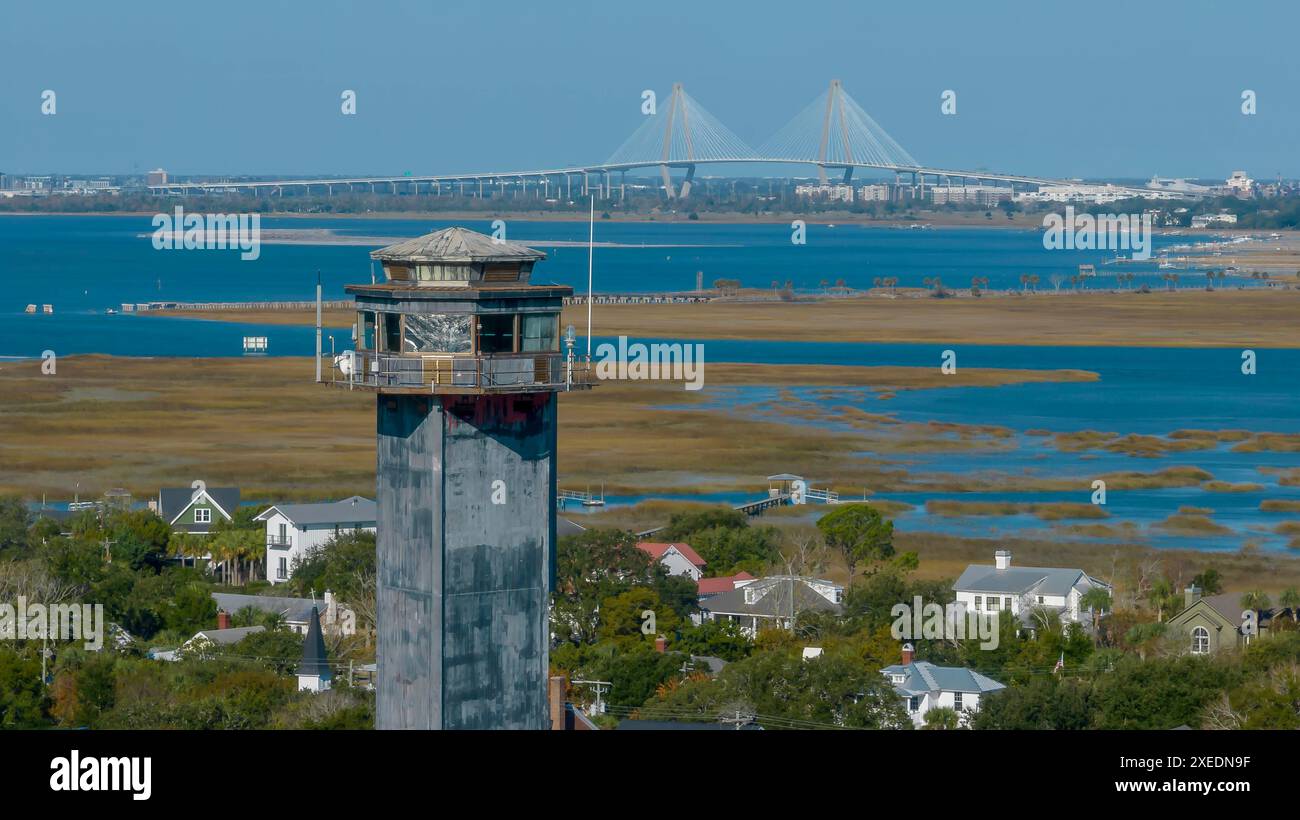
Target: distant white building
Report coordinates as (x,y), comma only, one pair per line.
(1240,184)
(971,194)
(294,530)
(829,193)
(873,193)
(1021,590)
(924,686)
(1214,220)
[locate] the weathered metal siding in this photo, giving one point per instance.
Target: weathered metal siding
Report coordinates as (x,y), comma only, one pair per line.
(463,581)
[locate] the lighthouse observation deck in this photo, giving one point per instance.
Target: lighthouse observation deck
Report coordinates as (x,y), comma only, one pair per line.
(457,314)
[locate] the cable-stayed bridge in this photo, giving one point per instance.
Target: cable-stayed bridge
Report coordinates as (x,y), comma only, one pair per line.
(833,133)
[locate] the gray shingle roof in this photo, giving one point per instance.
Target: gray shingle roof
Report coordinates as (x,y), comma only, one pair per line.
(353,511)
(294,610)
(456,245)
(776,602)
(1018,580)
(225,637)
(923,676)
(172,501)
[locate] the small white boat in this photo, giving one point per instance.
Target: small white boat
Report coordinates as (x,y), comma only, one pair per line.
(30,309)
(47,308)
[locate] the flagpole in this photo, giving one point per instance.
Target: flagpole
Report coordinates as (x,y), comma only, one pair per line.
(591,250)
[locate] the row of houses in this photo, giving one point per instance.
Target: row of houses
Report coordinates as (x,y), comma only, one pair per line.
(777,601)
(292,530)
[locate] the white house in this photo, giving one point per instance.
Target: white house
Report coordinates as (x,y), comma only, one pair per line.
(678,559)
(294,530)
(924,686)
(1021,590)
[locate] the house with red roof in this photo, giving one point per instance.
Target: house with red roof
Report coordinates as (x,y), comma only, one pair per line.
(716,586)
(678,559)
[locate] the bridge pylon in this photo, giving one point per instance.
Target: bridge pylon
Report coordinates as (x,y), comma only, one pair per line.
(679,133)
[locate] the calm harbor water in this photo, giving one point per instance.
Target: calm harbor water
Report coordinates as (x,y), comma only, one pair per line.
(83,265)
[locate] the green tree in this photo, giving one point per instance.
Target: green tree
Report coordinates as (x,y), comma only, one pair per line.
(1096,599)
(14,521)
(858,533)
(941,718)
(590,567)
(23,701)
(1209,582)
(622,615)
(1290,598)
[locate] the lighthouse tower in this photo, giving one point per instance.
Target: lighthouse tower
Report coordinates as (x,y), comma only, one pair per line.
(465,357)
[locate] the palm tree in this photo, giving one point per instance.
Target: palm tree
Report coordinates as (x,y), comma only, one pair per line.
(941,718)
(1255,599)
(1290,598)
(1158,595)
(1033,282)
(1096,599)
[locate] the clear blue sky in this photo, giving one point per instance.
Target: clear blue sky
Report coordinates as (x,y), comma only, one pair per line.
(1063,89)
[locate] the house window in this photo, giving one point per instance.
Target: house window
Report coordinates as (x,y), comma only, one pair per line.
(202,515)
(978,602)
(496,333)
(956,701)
(366,330)
(284,533)
(913,704)
(539,333)
(1040,600)
(282,571)
(392,336)
(1200,640)
(1006,603)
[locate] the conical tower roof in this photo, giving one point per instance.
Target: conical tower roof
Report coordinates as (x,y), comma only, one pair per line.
(456,245)
(314,661)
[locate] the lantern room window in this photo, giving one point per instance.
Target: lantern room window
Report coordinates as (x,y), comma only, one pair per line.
(437,333)
(496,333)
(539,333)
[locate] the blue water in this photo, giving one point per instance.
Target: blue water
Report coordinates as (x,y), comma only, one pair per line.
(83,265)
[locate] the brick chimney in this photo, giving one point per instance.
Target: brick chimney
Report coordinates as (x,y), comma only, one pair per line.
(1002,559)
(223,619)
(555,697)
(907,654)
(661,645)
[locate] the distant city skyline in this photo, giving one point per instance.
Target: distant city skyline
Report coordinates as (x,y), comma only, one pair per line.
(1123,91)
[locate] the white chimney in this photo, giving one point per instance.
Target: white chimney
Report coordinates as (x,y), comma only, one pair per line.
(1002,559)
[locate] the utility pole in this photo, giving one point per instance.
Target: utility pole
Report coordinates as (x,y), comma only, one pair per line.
(318,306)
(739,720)
(600,687)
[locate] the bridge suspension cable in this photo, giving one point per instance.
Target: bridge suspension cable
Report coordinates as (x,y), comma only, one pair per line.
(680,131)
(834,130)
